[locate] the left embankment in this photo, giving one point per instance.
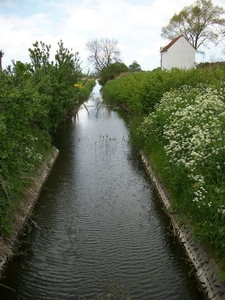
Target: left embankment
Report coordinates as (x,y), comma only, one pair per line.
(8,247)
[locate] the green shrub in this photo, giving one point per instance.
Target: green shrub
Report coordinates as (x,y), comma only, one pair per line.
(112,71)
(34,99)
(140,92)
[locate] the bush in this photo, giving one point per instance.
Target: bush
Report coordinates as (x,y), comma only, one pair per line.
(187,129)
(140,92)
(34,99)
(112,71)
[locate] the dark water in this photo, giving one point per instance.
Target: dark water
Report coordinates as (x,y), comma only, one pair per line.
(99,220)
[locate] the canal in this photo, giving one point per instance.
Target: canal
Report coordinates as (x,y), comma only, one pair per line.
(99,222)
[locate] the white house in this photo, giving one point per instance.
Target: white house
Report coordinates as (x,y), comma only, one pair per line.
(179,53)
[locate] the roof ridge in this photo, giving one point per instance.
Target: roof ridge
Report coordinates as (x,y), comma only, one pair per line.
(171,43)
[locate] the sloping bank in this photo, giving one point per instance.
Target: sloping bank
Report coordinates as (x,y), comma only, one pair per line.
(205,269)
(8,247)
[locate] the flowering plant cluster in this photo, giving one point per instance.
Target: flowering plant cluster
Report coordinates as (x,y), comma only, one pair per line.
(189,125)
(29,149)
(78,85)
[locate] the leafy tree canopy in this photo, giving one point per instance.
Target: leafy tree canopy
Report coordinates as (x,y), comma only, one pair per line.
(134,66)
(199,23)
(112,71)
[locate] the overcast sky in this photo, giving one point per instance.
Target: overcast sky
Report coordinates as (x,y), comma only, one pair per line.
(135,24)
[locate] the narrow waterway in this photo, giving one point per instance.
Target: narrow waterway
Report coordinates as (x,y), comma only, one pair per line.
(98,221)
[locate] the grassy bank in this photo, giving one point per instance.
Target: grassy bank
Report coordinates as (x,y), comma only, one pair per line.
(178,119)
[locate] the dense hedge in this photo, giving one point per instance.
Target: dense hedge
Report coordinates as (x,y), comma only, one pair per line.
(34,98)
(139,92)
(112,71)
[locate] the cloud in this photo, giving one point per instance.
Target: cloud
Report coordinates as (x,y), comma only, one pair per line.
(19,34)
(136,25)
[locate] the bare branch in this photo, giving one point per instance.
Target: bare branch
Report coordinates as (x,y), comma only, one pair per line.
(102,53)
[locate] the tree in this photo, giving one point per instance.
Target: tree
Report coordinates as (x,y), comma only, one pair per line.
(69,63)
(135,66)
(39,56)
(55,82)
(102,53)
(112,71)
(199,23)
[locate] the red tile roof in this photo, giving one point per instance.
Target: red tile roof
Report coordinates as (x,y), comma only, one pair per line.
(171,43)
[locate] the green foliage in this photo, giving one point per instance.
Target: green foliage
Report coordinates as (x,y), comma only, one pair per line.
(34,98)
(187,129)
(178,119)
(83,90)
(55,82)
(134,67)
(112,71)
(125,91)
(140,92)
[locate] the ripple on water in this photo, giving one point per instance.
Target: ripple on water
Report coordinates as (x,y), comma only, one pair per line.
(99,221)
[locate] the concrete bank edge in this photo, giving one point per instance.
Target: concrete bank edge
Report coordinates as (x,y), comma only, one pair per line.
(205,269)
(8,247)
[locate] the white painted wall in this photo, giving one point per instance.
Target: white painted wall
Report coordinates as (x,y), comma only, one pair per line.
(180,55)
